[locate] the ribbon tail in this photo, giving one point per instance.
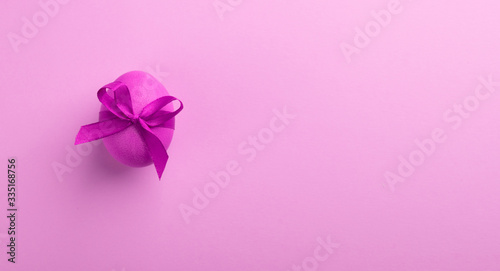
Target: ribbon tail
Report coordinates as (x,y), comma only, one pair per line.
(156,149)
(100,129)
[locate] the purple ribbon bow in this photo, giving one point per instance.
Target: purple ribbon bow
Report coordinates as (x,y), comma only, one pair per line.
(121,115)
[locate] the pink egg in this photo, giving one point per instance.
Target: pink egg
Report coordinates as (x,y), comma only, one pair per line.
(128,146)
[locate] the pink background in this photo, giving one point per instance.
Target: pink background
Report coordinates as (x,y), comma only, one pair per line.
(323,175)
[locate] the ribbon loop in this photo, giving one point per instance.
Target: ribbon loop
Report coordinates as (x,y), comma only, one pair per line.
(156,105)
(109,102)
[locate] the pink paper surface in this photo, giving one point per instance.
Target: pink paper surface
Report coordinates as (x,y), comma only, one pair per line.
(297,113)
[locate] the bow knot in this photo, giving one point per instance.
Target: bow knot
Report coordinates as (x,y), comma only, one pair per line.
(135,119)
(120,115)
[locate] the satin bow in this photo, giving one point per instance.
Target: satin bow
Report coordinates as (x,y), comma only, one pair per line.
(121,115)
